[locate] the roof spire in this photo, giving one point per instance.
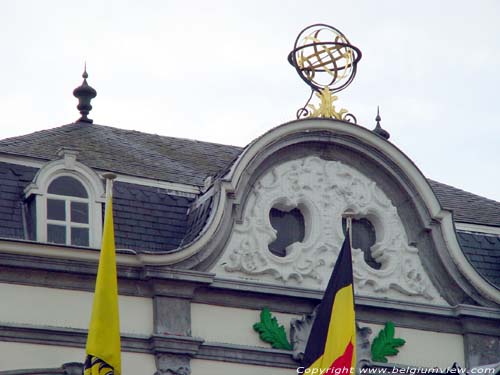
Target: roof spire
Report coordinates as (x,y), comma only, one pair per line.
(84,93)
(378,129)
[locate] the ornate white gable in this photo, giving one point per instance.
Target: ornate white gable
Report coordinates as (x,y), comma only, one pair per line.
(323,190)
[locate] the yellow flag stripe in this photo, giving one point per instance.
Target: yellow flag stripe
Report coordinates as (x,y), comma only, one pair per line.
(103,340)
(342,325)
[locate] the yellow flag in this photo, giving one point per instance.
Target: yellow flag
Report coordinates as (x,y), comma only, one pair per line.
(103,340)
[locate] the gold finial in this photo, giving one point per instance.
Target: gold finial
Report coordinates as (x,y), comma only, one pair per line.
(325,60)
(326,107)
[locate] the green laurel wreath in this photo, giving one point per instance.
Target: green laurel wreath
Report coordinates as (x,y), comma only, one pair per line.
(385,344)
(271,332)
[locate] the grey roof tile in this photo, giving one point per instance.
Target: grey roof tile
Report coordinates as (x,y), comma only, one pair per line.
(467,207)
(128,152)
(483,252)
(14,178)
(145,218)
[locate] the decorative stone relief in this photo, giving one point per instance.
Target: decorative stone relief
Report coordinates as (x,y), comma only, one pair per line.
(172,364)
(323,190)
(73,368)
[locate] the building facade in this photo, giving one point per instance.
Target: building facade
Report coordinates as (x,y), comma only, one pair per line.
(211,238)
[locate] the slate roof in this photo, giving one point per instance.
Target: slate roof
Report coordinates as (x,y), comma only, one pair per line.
(145,218)
(483,251)
(14,178)
(128,152)
(467,207)
(148,218)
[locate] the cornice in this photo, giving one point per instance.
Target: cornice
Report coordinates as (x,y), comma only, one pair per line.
(477,228)
(154,345)
(246,354)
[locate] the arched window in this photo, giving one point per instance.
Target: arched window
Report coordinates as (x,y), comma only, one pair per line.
(65,203)
(68,219)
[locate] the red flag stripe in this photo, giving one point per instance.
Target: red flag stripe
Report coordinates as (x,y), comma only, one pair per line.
(344,361)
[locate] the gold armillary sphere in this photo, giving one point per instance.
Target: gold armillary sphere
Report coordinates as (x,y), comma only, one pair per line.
(326,60)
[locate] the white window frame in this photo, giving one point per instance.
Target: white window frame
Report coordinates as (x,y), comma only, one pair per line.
(68,199)
(68,166)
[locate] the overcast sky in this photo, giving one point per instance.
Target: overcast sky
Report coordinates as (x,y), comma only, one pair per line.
(217,71)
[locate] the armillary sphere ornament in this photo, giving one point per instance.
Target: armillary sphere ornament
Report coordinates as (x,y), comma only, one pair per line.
(325,60)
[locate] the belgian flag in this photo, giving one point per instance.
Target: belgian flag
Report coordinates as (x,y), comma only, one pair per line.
(331,348)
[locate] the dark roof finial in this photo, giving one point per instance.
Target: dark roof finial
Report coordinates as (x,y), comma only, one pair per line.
(85,75)
(378,129)
(84,93)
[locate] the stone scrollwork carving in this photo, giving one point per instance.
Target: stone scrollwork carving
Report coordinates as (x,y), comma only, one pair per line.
(300,329)
(322,190)
(172,364)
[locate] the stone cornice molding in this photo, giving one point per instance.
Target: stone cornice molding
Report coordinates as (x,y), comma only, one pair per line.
(246,354)
(185,345)
(154,344)
(174,282)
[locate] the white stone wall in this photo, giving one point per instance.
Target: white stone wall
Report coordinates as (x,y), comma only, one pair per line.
(234,326)
(425,348)
(231,325)
(68,308)
(204,367)
(16,356)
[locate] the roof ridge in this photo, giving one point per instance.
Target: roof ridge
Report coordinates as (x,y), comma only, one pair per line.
(167,136)
(130,152)
(462,190)
(20,137)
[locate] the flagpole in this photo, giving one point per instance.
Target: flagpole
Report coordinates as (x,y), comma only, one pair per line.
(348,215)
(109,177)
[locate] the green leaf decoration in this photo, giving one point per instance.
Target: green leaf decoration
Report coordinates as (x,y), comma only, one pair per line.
(270,331)
(385,344)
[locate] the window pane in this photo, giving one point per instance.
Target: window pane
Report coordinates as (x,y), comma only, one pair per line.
(80,236)
(56,233)
(79,212)
(56,209)
(69,186)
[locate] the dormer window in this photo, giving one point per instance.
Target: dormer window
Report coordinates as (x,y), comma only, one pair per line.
(68,212)
(65,203)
